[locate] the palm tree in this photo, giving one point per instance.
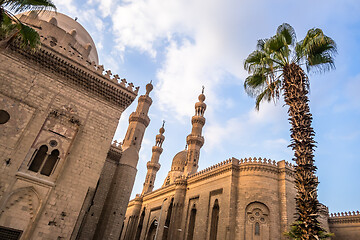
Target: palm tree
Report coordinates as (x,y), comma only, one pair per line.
(276,67)
(11,27)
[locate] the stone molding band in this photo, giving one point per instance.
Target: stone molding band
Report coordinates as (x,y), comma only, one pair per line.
(76,74)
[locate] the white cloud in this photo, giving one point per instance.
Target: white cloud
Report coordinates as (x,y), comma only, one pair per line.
(258,128)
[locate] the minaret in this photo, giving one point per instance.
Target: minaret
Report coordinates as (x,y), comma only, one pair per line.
(194,140)
(138,121)
(153,166)
(112,216)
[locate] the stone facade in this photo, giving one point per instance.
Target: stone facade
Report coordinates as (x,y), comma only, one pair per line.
(104,213)
(246,199)
(59,113)
(61,178)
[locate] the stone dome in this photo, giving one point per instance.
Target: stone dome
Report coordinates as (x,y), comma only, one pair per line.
(178,163)
(82,38)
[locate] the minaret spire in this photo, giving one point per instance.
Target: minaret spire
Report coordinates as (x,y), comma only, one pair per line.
(195,140)
(138,121)
(153,165)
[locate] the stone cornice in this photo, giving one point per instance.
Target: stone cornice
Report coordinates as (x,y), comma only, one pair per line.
(344,220)
(80,75)
(159,192)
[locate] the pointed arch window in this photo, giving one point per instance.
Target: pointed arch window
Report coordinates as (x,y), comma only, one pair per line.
(44,162)
(167,221)
(214,220)
(50,163)
(190,235)
(140,226)
(38,160)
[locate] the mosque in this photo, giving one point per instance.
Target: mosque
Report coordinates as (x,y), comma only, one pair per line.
(62,177)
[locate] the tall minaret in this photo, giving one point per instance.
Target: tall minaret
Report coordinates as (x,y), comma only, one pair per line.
(153,166)
(138,121)
(112,215)
(194,140)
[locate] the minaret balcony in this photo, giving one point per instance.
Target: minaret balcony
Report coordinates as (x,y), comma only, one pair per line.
(139,117)
(198,119)
(194,139)
(151,165)
(157,149)
(145,98)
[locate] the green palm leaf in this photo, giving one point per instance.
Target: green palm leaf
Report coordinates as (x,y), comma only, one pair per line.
(26,5)
(11,27)
(275,67)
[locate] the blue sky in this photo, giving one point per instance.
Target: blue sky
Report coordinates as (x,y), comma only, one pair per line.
(182,45)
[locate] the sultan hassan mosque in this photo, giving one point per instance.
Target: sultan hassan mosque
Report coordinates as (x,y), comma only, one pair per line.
(62,177)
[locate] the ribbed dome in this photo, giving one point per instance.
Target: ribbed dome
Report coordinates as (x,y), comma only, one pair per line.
(179,161)
(70,26)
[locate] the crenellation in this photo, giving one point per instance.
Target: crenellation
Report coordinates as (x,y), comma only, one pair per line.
(93,66)
(345,214)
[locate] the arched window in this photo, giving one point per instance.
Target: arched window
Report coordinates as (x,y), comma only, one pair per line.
(50,163)
(167,221)
(257,228)
(139,229)
(43,162)
(122,228)
(191,224)
(214,220)
(38,159)
(152,230)
(257,221)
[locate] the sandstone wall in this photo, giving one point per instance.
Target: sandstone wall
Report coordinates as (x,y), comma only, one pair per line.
(29,93)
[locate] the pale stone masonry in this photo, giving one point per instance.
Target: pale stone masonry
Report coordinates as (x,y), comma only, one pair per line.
(242,199)
(61,178)
(104,214)
(63,112)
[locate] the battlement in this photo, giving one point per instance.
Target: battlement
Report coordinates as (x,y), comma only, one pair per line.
(242,162)
(345,214)
(98,69)
(117,145)
(340,218)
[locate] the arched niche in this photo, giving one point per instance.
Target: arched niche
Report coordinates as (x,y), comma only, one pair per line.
(20,209)
(257,224)
(214,220)
(152,230)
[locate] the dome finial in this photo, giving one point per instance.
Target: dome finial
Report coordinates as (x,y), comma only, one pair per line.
(202,96)
(149,88)
(162,129)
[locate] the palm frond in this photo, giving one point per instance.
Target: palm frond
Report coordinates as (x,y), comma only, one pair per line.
(278,48)
(27,5)
(288,32)
(6,26)
(271,92)
(260,44)
(255,60)
(318,50)
(253,83)
(28,36)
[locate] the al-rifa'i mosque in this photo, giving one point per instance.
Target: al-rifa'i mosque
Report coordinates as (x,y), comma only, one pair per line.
(62,177)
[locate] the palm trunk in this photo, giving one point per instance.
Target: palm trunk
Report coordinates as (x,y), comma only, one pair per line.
(295,88)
